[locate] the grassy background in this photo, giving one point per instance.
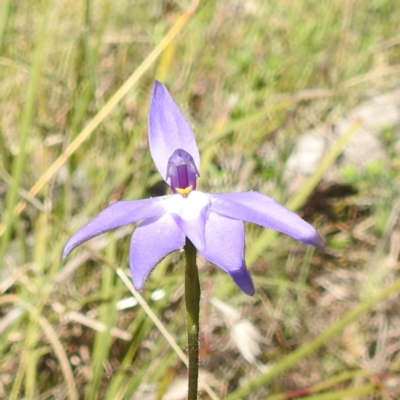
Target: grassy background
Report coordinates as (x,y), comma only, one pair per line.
(250,77)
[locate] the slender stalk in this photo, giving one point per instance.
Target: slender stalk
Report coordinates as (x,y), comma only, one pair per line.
(192,298)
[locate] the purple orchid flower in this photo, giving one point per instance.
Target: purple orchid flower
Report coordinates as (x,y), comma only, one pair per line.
(212,221)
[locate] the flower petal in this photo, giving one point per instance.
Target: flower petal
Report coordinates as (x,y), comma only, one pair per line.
(265,211)
(225,248)
(168,130)
(190,214)
(151,241)
(117,214)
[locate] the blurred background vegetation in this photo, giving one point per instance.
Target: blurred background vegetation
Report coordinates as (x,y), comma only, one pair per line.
(251,77)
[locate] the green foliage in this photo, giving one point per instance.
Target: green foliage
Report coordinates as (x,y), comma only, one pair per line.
(250,77)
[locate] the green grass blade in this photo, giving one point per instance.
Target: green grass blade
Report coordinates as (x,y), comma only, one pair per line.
(19,164)
(308,348)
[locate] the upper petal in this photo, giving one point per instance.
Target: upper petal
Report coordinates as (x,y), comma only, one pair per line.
(117,214)
(168,130)
(225,248)
(263,210)
(151,241)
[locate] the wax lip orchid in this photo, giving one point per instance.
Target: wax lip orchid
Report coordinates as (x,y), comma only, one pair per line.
(213,222)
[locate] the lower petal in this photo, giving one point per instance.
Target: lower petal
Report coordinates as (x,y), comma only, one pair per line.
(225,248)
(151,241)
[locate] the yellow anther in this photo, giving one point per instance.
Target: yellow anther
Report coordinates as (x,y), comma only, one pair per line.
(184,192)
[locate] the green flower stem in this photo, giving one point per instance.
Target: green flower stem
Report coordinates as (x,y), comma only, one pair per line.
(192,298)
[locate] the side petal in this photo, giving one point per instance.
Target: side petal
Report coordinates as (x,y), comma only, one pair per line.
(168,130)
(151,241)
(117,214)
(225,248)
(265,211)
